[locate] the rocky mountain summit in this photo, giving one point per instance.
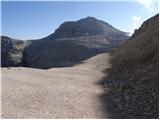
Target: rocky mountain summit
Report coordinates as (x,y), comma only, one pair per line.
(86,27)
(71,43)
(133,81)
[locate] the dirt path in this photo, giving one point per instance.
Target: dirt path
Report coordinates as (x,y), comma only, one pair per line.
(71,92)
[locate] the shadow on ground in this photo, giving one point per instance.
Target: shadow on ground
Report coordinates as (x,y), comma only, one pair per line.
(110,107)
(121,100)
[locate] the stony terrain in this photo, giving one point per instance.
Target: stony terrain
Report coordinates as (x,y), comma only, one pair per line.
(133,81)
(71,92)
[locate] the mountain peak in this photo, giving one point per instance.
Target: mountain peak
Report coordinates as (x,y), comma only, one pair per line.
(85,27)
(89,18)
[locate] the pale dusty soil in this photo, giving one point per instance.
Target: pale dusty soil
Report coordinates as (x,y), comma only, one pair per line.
(70,92)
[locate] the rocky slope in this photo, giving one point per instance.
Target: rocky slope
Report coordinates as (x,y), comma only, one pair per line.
(134,79)
(86,27)
(11,52)
(71,43)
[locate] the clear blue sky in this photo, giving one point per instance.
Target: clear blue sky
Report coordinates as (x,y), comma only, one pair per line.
(31,20)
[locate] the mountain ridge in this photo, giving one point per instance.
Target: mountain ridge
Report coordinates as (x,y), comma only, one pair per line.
(71,43)
(84,27)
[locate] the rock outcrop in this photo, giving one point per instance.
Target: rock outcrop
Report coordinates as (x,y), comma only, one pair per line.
(11,52)
(134,79)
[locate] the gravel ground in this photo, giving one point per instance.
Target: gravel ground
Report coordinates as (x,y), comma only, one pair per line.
(69,92)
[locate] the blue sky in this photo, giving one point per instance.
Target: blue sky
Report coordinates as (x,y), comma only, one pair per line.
(31,19)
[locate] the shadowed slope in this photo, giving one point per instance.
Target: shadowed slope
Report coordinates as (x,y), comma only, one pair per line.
(11,52)
(133,81)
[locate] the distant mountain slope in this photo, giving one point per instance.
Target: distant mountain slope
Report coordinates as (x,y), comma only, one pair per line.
(11,52)
(86,27)
(71,43)
(134,78)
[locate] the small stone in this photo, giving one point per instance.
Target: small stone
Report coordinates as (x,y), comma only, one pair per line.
(127,97)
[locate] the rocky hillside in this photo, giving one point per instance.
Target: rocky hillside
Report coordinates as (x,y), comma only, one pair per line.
(134,79)
(11,52)
(71,43)
(86,27)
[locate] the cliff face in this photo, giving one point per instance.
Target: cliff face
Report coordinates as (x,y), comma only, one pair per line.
(11,52)
(134,78)
(71,43)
